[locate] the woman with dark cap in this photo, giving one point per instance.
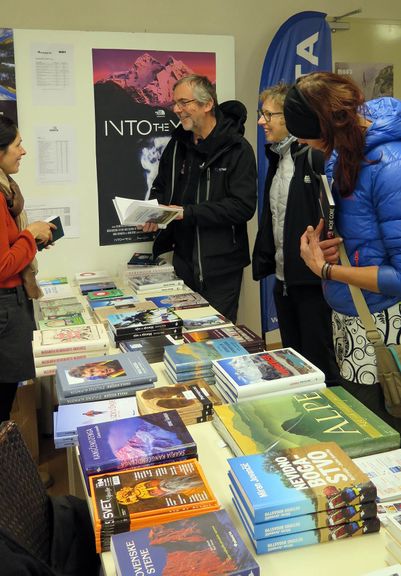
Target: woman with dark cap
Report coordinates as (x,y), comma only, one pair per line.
(362,144)
(17,271)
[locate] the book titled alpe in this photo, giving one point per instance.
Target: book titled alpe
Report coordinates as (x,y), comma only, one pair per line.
(77,377)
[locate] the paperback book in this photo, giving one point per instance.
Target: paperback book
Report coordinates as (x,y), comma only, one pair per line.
(179,301)
(245,336)
(105,294)
(135,441)
(65,340)
(92,413)
(160,280)
(265,372)
(64,310)
(190,356)
(56,291)
(209,544)
(327,207)
(77,377)
(111,393)
(145,260)
(96,287)
(92,276)
(102,314)
(54,280)
(384,470)
(127,300)
(140,497)
(297,481)
(143,321)
(137,212)
(202,322)
(53,321)
(152,347)
(193,400)
(292,420)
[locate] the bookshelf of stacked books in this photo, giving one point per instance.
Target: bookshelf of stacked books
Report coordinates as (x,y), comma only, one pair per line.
(185,426)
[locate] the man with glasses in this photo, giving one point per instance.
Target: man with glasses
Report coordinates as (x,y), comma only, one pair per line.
(290,204)
(209,169)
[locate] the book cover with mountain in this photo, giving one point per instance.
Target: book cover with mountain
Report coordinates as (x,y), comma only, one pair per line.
(245,336)
(135,441)
(296,481)
(206,544)
(179,301)
(144,320)
(190,356)
(292,420)
(76,377)
(264,372)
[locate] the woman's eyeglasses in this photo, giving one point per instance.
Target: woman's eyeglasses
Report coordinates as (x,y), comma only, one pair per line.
(268,115)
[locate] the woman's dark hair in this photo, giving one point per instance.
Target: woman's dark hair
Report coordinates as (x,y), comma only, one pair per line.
(339,104)
(8,132)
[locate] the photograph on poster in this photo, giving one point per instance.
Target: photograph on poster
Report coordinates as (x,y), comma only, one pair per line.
(375,80)
(8,93)
(133,93)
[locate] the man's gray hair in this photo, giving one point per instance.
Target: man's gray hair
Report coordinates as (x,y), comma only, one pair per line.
(203,89)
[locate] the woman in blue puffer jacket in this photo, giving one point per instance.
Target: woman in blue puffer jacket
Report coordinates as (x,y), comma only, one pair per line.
(362,142)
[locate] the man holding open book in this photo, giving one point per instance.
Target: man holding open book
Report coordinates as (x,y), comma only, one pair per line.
(209,169)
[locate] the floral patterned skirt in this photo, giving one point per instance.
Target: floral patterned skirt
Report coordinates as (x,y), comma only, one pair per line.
(355,355)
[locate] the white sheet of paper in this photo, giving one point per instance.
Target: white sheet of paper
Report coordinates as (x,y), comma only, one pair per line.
(55,154)
(52,74)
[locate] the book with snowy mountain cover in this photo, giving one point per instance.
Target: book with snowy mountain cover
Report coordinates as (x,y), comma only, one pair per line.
(136,441)
(194,355)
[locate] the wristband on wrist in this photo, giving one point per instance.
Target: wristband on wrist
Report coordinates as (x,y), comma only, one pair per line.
(328,271)
(323,272)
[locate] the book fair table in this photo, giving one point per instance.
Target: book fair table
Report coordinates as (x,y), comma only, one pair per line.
(350,556)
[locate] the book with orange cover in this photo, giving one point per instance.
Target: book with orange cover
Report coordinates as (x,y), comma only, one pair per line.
(127,499)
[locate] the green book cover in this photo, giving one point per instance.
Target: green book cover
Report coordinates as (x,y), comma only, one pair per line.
(326,415)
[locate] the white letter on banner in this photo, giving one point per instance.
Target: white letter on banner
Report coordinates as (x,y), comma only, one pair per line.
(305,51)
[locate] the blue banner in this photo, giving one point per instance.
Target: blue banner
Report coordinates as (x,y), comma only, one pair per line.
(301,45)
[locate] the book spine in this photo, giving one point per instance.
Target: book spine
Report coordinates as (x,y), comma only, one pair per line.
(168,284)
(114,464)
(194,366)
(147,329)
(103,386)
(54,349)
(105,395)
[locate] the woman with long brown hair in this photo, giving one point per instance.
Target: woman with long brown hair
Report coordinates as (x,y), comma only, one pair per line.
(17,271)
(362,144)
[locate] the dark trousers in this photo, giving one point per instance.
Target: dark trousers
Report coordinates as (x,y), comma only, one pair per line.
(304,319)
(222,292)
(7,395)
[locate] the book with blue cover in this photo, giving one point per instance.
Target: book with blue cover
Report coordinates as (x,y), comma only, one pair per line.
(135,441)
(295,481)
(317,536)
(285,526)
(69,417)
(119,301)
(76,377)
(96,287)
(190,356)
(265,372)
(205,544)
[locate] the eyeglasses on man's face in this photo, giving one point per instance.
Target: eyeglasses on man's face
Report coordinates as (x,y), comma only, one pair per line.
(182,104)
(268,115)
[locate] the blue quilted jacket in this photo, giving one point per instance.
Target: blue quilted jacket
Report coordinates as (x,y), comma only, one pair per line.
(369,220)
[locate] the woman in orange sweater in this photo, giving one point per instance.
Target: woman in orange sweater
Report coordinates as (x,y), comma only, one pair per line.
(18,246)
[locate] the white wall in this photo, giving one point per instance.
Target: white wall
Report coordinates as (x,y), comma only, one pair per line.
(253,25)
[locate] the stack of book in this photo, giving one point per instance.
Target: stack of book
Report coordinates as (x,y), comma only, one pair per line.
(134,442)
(96,286)
(179,301)
(171,548)
(143,497)
(140,323)
(194,400)
(104,377)
(194,360)
(143,263)
(301,496)
(245,336)
(155,283)
(69,417)
(266,373)
(152,347)
(261,424)
(392,538)
(67,343)
(59,307)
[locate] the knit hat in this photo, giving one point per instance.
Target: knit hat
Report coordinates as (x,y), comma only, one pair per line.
(300,118)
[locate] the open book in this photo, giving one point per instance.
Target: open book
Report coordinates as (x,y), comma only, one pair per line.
(327,207)
(137,212)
